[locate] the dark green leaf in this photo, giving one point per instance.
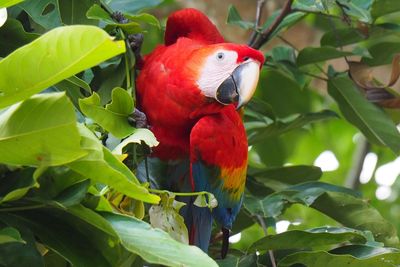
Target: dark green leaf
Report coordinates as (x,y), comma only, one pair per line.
(74,194)
(367,117)
(258,131)
(386,258)
(382,53)
(342,37)
(16,184)
(74,11)
(383,7)
(21,254)
(289,175)
(312,238)
(311,55)
(13,36)
(44,12)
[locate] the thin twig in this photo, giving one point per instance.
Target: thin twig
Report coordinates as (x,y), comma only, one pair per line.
(260,8)
(361,151)
(264,227)
(266,34)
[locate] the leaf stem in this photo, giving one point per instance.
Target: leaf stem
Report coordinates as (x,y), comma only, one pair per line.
(181,194)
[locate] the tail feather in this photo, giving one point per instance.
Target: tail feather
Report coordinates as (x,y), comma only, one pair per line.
(199,223)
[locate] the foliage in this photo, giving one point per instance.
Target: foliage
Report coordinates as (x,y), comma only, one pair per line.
(69,151)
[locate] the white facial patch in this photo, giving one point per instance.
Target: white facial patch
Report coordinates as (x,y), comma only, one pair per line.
(217,68)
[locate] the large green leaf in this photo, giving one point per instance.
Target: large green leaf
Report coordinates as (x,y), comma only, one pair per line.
(40,131)
(367,117)
(114,117)
(311,55)
(382,53)
(51,58)
(342,37)
(101,166)
(74,242)
(154,245)
(383,7)
(377,257)
(13,36)
(316,237)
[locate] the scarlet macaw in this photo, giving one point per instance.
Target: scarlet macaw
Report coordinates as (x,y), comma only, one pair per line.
(190,89)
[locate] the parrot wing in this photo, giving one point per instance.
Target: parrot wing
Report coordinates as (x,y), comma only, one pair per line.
(218,162)
(192,24)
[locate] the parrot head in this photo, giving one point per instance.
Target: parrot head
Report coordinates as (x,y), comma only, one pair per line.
(226,72)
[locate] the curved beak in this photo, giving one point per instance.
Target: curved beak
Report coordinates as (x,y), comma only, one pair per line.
(239,87)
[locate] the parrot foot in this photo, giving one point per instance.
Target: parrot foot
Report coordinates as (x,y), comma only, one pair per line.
(139,119)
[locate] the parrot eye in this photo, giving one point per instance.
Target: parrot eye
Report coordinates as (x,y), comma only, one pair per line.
(220,56)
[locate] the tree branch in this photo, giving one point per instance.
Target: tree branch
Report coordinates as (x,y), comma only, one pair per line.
(264,227)
(361,151)
(260,8)
(266,34)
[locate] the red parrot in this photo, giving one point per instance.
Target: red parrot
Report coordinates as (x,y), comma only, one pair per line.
(191,89)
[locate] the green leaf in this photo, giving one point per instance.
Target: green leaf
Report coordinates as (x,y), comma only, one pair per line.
(259,130)
(74,194)
(16,184)
(356,213)
(311,55)
(312,238)
(40,131)
(114,117)
(101,166)
(367,117)
(287,22)
(80,83)
(13,36)
(154,245)
(146,18)
(342,37)
(382,53)
(139,135)
(383,7)
(234,18)
(97,12)
(289,174)
(133,6)
(10,235)
(44,12)
(166,217)
(21,254)
(74,11)
(387,258)
(69,236)
(54,56)
(8,3)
